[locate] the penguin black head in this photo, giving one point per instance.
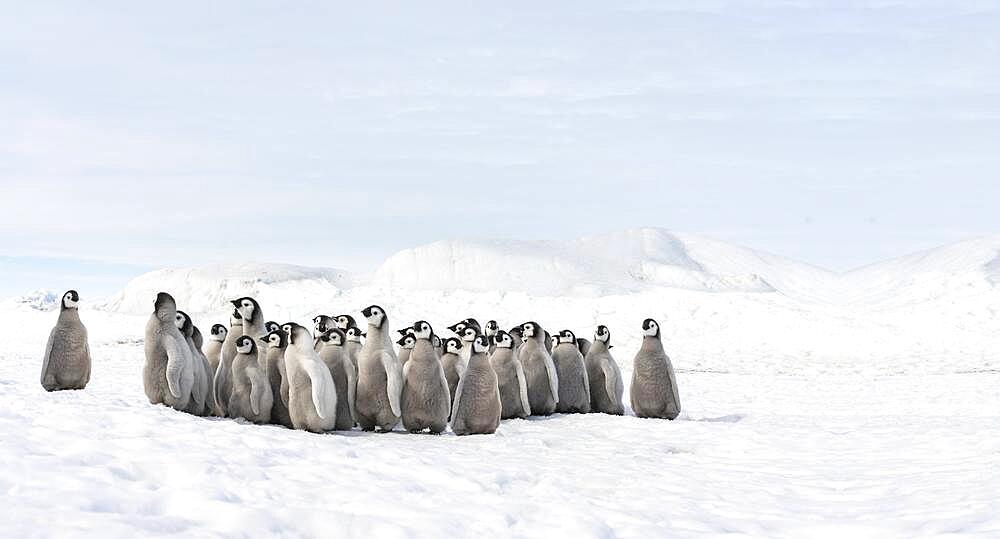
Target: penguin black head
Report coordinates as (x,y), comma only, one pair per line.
(481,344)
(502,339)
(458,327)
(271,326)
(468,334)
(473,323)
(436,341)
(422,330)
(286,328)
(275,339)
(407,341)
(492,327)
(345,321)
(650,328)
(218,332)
(452,345)
(405,331)
(245,345)
(299,336)
(323,323)
(70,300)
(248,308)
(354,334)
(334,336)
(375,315)
(603,334)
(531,330)
(516,331)
(183,323)
(565,337)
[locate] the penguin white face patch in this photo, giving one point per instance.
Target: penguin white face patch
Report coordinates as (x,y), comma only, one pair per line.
(565,337)
(453,346)
(468,334)
(480,344)
(244,345)
(422,330)
(179,320)
(375,315)
(503,340)
(246,309)
(651,329)
(528,330)
(71,300)
(602,334)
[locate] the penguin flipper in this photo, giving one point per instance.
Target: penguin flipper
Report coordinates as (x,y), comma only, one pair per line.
(352,387)
(522,387)
(612,379)
(550,369)
(86,353)
(458,402)
(177,363)
(256,391)
(221,401)
(324,393)
(444,386)
(283,389)
(48,356)
(394,380)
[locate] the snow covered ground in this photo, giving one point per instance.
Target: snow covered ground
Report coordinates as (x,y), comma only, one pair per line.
(865,405)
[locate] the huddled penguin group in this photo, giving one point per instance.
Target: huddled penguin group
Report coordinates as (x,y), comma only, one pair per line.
(342,376)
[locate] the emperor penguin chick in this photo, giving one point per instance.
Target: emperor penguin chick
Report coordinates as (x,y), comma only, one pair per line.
(213,346)
(223,383)
(654,386)
(492,327)
(477,399)
(168,373)
(66,363)
(425,401)
(404,352)
(606,385)
(200,388)
(452,364)
(539,370)
(344,373)
(322,324)
(274,365)
(199,342)
(574,387)
(251,398)
(353,344)
(510,376)
(312,394)
(380,376)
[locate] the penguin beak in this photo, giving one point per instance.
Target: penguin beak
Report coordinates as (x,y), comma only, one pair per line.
(235,302)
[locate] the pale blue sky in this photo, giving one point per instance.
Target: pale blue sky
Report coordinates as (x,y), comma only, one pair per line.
(837,133)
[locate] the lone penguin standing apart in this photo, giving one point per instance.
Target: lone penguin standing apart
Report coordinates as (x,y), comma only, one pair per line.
(312,395)
(510,376)
(425,401)
(606,384)
(344,373)
(380,376)
(477,400)
(539,370)
(574,388)
(252,398)
(168,373)
(66,364)
(213,347)
(223,383)
(274,365)
(654,387)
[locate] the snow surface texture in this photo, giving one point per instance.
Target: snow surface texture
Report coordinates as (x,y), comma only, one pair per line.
(863,405)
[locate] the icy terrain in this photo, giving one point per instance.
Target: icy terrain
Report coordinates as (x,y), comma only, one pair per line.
(862,405)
